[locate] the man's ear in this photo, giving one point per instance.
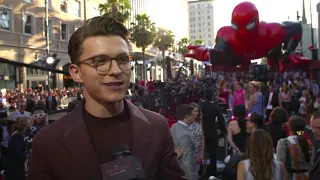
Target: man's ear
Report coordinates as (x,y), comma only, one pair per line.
(75,73)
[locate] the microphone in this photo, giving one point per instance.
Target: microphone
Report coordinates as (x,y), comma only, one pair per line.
(124,166)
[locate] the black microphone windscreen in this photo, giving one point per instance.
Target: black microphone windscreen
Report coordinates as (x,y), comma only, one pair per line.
(121,150)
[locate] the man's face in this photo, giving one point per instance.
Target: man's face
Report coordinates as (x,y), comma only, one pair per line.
(22,106)
(270,89)
(315,124)
(102,87)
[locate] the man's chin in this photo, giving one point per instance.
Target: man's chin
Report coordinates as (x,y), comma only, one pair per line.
(113,99)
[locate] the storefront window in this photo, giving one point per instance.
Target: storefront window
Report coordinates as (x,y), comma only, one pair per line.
(10,84)
(2,84)
(9,69)
(2,68)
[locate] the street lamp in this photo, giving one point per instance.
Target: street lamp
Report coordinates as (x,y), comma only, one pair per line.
(50,60)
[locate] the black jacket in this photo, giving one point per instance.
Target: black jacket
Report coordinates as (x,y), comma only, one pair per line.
(274,100)
(315,170)
(210,112)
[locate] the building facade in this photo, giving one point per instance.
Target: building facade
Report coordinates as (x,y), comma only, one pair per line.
(306,40)
(201,21)
(22,36)
(137,7)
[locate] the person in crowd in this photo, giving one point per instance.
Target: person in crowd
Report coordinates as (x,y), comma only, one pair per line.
(255,102)
(285,98)
(239,95)
(39,120)
(309,107)
(260,163)
(295,151)
(276,127)
(72,105)
(20,112)
(14,162)
(51,101)
(302,102)
(317,103)
(210,113)
(254,122)
(315,169)
(295,105)
(76,146)
(271,101)
(237,131)
(184,139)
(224,93)
(197,132)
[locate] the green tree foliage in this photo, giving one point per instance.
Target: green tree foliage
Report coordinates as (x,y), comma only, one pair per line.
(198,42)
(182,46)
(118,9)
(164,40)
(142,34)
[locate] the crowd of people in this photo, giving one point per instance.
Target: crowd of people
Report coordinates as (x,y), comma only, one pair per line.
(23,114)
(192,113)
(284,112)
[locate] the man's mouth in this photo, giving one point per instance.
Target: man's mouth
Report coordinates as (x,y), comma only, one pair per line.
(114,85)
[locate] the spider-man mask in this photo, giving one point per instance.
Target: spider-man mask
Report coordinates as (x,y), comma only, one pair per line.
(245,22)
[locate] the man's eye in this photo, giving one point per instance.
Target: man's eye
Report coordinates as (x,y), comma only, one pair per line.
(99,60)
(124,59)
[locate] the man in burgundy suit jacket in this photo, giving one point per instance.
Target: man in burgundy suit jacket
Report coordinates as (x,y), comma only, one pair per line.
(75,147)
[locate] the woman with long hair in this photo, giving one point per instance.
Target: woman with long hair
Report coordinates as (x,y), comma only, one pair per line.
(296,151)
(277,126)
(255,102)
(285,98)
(237,131)
(224,93)
(14,162)
(239,95)
(197,132)
(260,163)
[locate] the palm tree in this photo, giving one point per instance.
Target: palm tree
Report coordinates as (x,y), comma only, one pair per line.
(182,49)
(182,46)
(118,9)
(164,40)
(142,34)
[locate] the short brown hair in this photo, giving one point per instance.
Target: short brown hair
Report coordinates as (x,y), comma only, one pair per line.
(97,26)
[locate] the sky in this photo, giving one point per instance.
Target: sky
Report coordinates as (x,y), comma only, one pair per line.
(173,14)
(170,14)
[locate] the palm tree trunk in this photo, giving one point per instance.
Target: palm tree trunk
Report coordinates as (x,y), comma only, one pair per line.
(143,65)
(163,65)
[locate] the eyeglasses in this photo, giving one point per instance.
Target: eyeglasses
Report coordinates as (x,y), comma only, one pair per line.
(103,63)
(22,106)
(40,115)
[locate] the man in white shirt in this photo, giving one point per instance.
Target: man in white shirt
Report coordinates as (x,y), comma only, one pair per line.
(183,140)
(21,112)
(271,101)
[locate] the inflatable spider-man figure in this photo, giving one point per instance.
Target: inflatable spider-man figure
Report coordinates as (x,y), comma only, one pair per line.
(249,38)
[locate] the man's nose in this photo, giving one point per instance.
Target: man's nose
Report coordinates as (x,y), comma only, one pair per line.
(114,69)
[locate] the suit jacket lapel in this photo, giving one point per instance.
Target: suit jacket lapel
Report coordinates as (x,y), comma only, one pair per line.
(141,132)
(77,142)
